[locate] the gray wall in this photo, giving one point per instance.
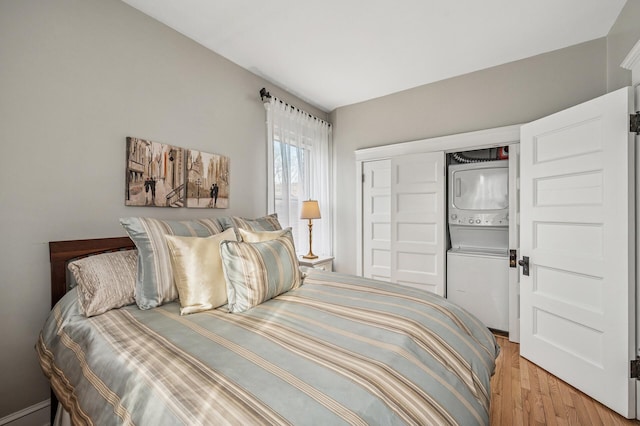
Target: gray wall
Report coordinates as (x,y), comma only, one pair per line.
(621,38)
(76,78)
(513,93)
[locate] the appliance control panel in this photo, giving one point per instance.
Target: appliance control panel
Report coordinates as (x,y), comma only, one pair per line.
(479,219)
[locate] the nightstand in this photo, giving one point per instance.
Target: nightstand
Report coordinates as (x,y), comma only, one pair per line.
(324,263)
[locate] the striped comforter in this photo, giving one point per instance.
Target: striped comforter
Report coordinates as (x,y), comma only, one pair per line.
(338,350)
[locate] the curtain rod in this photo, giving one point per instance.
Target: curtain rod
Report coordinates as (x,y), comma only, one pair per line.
(266,95)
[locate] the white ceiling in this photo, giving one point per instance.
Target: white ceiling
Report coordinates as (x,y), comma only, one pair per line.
(332,53)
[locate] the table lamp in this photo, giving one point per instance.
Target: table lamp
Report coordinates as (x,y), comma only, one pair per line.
(310,210)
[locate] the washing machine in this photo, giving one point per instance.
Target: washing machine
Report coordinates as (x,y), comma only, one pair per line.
(478,280)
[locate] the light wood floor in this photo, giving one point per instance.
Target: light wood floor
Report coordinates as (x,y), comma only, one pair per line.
(524,394)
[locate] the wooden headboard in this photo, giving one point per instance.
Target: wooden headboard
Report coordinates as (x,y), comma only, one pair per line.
(61,252)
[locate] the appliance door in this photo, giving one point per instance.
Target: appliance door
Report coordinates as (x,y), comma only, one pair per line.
(479,282)
(480,189)
(486,238)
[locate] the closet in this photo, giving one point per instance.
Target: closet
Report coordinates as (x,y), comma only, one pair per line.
(403,210)
(572,236)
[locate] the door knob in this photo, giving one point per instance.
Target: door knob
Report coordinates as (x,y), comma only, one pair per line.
(524,262)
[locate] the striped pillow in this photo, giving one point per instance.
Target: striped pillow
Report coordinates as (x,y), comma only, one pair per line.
(257,272)
(257,236)
(265,223)
(154,284)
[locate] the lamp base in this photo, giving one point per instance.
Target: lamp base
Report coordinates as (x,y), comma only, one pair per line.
(310,255)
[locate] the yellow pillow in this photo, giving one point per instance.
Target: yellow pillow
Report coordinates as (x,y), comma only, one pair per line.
(197,271)
(259,236)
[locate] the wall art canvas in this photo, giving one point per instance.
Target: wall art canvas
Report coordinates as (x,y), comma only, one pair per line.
(155,175)
(207,180)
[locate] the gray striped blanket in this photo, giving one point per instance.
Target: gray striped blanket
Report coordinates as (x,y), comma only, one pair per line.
(338,350)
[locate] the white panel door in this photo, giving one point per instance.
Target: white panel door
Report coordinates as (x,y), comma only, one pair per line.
(577,228)
(418,214)
(376,222)
(514,241)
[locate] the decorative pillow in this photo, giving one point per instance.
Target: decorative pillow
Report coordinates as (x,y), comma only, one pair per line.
(70,280)
(265,223)
(256,272)
(154,285)
(105,281)
(197,271)
(258,236)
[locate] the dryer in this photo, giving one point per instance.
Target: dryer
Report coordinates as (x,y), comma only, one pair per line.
(478,198)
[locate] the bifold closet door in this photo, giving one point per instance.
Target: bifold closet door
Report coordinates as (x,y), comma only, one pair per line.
(418,213)
(376,222)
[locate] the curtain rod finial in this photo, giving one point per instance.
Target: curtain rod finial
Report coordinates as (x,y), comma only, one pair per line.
(264,94)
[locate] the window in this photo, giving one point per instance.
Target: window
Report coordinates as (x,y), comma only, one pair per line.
(299,169)
(290,168)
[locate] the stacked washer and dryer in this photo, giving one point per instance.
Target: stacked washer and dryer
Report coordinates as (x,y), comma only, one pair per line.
(478,261)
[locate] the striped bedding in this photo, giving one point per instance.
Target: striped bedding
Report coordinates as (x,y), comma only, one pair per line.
(338,350)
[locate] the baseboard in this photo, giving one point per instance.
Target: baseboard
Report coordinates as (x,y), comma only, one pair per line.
(37,414)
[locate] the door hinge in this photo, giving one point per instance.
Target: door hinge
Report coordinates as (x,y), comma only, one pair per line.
(363,178)
(634,123)
(634,370)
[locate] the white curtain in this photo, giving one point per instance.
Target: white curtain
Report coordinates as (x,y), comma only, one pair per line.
(299,155)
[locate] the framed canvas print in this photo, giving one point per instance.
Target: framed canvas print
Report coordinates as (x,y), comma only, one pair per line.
(155,175)
(207,180)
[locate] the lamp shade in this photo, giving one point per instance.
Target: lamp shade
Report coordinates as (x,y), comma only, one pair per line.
(310,210)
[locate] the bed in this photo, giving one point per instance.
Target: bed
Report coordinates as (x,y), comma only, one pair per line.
(337,349)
